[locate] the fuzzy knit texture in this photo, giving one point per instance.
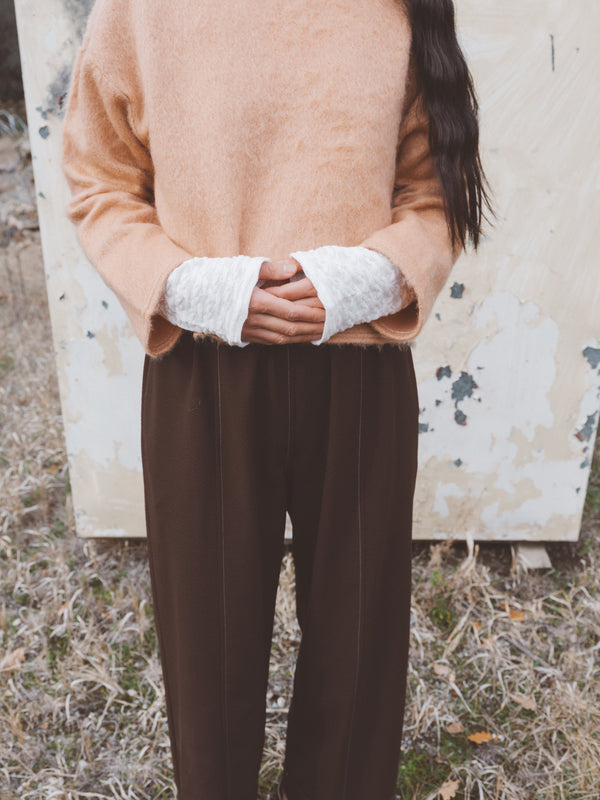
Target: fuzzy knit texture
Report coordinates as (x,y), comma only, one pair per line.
(228,128)
(354,284)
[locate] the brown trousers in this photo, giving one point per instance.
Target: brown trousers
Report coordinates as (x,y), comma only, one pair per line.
(231,438)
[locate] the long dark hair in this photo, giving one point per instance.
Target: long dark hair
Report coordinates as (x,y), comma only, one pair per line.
(447,87)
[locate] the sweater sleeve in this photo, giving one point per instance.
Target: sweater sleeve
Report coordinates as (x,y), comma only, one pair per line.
(354,284)
(212,295)
(418,238)
(110,175)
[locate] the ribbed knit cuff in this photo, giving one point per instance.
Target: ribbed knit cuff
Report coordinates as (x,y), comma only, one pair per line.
(212,295)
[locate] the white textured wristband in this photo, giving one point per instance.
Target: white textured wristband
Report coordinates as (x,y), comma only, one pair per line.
(212,295)
(355,284)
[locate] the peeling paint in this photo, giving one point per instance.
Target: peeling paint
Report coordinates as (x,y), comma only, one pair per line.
(77,11)
(592,356)
(460,417)
(443,372)
(586,433)
(457,290)
(57,91)
(511,480)
(463,387)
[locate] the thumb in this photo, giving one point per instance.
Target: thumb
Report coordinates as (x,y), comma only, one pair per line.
(278,270)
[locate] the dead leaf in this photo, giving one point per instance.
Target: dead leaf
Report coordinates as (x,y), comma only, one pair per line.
(527,702)
(455,727)
(13,661)
(441,669)
(514,614)
(448,790)
(481,737)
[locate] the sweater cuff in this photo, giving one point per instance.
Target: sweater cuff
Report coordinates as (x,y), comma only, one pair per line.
(355,284)
(212,295)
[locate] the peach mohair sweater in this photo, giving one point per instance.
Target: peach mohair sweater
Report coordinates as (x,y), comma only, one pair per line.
(229,127)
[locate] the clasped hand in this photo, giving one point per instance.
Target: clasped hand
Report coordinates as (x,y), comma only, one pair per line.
(283,311)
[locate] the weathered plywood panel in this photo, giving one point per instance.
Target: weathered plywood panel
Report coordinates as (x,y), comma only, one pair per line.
(509,363)
(99,360)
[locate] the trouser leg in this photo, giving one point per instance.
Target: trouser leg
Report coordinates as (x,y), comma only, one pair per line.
(214,433)
(352,475)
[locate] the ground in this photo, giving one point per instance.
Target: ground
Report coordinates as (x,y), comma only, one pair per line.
(503,701)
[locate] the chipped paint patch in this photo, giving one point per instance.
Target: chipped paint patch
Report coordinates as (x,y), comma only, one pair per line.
(57,91)
(463,387)
(77,11)
(585,433)
(592,356)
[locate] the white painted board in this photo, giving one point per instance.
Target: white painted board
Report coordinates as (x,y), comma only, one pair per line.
(508,365)
(99,360)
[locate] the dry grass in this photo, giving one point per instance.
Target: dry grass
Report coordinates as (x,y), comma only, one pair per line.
(494,649)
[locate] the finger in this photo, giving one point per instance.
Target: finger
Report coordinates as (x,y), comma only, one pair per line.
(262,301)
(267,284)
(286,327)
(293,290)
(278,270)
(315,302)
(270,337)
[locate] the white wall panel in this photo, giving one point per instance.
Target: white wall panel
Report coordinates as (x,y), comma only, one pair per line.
(509,362)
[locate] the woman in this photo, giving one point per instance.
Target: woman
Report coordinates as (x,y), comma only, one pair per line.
(277,192)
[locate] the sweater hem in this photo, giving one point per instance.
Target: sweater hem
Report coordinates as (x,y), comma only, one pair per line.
(362,335)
